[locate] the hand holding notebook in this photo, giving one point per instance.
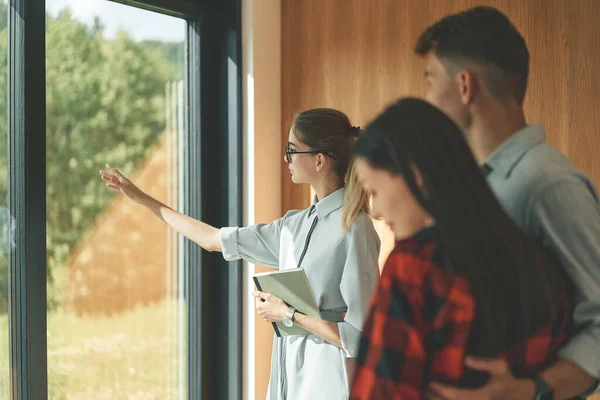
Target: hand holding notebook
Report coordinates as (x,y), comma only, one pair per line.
(291,286)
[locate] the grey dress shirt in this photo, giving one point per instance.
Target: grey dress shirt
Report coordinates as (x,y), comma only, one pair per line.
(342,269)
(556,203)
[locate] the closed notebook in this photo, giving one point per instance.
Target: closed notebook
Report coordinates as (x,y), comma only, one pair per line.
(291,286)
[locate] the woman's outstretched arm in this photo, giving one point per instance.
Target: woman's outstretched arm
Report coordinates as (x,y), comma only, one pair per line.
(206,236)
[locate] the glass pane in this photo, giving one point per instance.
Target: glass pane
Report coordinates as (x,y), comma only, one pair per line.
(5,218)
(115,305)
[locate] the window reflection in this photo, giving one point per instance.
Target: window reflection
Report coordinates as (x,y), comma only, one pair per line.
(114,95)
(6,220)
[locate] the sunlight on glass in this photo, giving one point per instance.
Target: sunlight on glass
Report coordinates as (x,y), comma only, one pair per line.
(115,290)
(6,221)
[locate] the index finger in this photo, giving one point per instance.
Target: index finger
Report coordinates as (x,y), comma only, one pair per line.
(106,176)
(451,393)
(430,394)
(493,366)
(258,294)
(115,171)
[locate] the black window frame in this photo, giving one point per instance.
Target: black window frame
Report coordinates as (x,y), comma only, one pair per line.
(213,177)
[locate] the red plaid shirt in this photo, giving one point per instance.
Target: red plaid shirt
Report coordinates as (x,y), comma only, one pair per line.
(419,325)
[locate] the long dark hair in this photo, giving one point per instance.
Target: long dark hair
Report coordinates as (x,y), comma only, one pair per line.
(330,131)
(479,241)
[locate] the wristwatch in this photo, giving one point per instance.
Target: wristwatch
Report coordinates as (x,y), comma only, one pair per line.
(543,391)
(288,320)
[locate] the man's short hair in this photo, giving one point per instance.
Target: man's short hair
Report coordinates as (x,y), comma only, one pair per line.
(485,37)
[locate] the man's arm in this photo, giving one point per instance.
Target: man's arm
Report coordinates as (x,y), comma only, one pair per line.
(566,215)
(504,386)
(568,379)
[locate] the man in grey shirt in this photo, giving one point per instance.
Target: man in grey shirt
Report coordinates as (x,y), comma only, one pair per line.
(477,71)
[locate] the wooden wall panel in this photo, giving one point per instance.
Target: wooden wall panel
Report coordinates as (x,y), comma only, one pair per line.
(584,86)
(357,56)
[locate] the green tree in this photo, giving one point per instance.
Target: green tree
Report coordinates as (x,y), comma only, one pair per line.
(104,103)
(3,14)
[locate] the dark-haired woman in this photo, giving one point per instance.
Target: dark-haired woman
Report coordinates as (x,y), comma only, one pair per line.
(340,257)
(463,279)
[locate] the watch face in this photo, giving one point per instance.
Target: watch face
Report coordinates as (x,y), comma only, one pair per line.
(288,322)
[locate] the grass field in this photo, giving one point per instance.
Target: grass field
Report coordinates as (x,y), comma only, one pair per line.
(130,356)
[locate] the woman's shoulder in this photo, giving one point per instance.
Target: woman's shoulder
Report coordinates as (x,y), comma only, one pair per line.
(362,222)
(294,215)
(362,229)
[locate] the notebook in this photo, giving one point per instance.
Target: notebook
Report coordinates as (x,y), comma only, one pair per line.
(291,286)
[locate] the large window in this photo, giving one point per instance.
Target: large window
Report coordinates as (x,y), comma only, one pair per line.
(98,299)
(114,94)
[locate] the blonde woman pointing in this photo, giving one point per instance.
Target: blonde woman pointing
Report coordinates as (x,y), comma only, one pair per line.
(339,256)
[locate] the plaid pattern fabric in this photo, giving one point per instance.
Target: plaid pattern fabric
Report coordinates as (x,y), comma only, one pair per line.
(419,325)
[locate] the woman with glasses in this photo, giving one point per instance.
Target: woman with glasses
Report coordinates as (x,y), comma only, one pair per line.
(339,256)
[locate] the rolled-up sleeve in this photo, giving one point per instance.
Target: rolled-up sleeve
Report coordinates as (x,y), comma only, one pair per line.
(567,217)
(357,292)
(359,282)
(258,244)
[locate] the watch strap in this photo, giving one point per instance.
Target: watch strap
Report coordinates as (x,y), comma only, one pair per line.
(290,312)
(543,391)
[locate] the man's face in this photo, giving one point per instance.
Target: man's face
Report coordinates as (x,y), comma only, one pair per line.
(444,92)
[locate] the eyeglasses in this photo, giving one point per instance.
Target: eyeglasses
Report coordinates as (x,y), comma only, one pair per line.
(289,151)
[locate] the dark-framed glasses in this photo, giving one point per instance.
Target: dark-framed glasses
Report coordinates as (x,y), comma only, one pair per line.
(289,151)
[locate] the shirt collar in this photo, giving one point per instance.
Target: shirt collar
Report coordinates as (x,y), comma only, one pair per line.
(508,155)
(329,204)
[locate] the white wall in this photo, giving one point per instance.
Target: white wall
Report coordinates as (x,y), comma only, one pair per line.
(261,48)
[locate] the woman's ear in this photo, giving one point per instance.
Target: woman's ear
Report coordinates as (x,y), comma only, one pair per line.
(418,177)
(320,162)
